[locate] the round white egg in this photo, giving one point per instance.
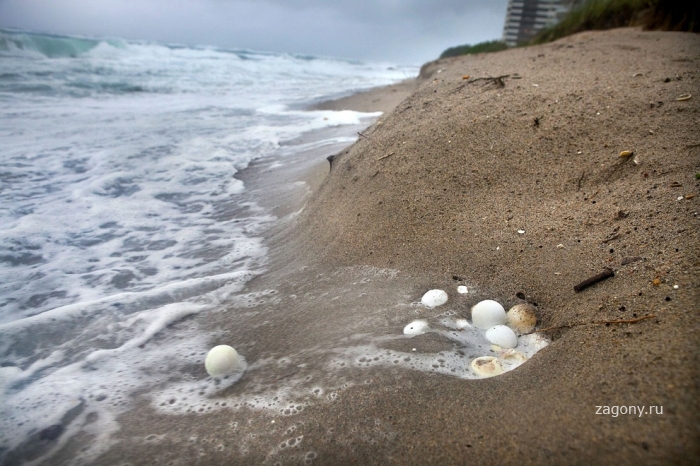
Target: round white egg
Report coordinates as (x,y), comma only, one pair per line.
(502,336)
(434,298)
(522,317)
(416,327)
(222,360)
(487,313)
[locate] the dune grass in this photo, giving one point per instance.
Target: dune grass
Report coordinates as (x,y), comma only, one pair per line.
(670,15)
(666,15)
(490,46)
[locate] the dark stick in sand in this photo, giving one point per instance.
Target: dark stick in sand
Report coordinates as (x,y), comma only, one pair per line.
(607,273)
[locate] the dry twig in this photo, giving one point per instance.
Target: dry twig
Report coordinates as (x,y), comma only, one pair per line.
(607,273)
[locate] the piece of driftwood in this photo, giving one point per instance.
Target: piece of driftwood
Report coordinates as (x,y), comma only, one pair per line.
(607,273)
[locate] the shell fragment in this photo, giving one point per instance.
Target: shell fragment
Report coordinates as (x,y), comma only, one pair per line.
(487,366)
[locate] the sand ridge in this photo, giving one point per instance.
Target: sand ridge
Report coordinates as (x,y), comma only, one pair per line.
(512,179)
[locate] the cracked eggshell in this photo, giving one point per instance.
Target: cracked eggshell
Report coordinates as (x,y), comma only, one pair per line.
(487,313)
(522,317)
(513,355)
(502,336)
(222,360)
(434,298)
(487,366)
(417,327)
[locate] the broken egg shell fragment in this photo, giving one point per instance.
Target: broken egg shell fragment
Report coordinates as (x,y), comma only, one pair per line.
(487,313)
(417,327)
(502,336)
(513,355)
(461,289)
(487,366)
(522,318)
(434,298)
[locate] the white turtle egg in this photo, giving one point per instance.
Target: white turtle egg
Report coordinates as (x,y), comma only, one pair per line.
(434,298)
(461,289)
(487,313)
(522,317)
(502,336)
(222,360)
(462,324)
(416,327)
(487,366)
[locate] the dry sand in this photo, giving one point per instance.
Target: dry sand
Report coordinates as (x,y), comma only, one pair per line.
(433,197)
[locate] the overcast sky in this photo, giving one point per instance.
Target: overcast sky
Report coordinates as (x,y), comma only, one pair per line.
(399,31)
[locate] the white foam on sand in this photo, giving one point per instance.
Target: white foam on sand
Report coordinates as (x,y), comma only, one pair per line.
(85,383)
(357,351)
(471,344)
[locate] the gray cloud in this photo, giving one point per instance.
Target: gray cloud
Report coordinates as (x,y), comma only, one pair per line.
(404,31)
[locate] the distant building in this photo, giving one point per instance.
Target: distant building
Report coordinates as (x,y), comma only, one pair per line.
(525,18)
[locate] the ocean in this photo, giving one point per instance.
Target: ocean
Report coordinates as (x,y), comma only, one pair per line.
(121,213)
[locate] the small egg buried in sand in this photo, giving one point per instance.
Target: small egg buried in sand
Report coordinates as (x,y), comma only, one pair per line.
(502,336)
(486,366)
(461,289)
(434,298)
(222,360)
(417,327)
(522,318)
(487,313)
(462,324)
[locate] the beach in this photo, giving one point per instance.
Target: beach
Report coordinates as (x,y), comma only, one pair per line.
(501,172)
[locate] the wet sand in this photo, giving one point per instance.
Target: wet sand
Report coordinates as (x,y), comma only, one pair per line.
(435,194)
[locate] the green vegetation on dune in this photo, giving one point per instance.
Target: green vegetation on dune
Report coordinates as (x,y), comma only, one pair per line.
(665,15)
(669,15)
(491,46)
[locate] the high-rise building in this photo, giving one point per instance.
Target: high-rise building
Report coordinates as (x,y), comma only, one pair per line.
(525,18)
